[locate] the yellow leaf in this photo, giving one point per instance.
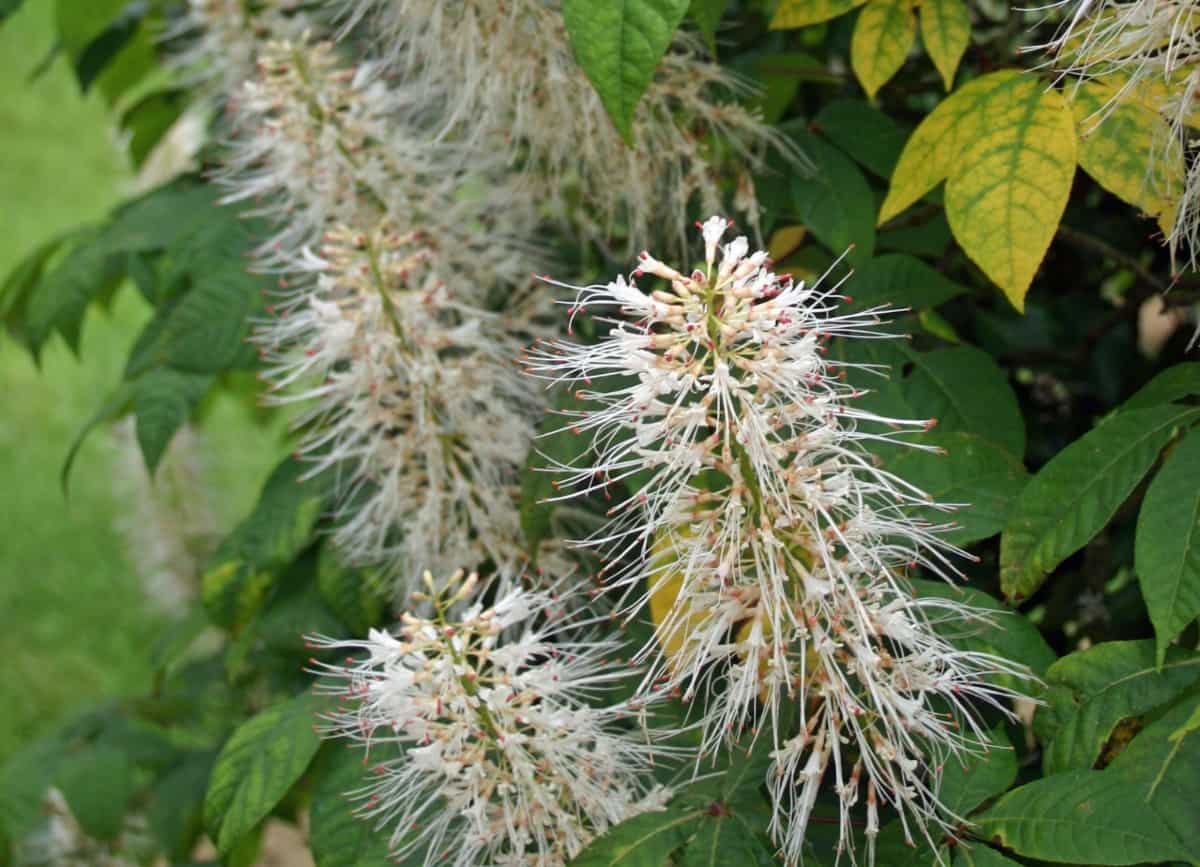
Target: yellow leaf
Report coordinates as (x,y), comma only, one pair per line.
(785,241)
(665,584)
(945,30)
(1006,146)
(1129,150)
(801,13)
(883,36)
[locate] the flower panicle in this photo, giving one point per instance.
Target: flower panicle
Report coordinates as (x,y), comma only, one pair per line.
(771,547)
(482,729)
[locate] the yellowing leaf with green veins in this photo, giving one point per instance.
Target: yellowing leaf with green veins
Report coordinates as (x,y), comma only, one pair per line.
(802,13)
(1122,150)
(1005,145)
(883,36)
(946,31)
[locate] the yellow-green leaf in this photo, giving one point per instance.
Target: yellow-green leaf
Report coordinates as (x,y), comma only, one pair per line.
(883,36)
(945,30)
(1121,149)
(1005,145)
(801,13)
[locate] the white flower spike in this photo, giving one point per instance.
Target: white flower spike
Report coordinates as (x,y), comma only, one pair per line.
(770,546)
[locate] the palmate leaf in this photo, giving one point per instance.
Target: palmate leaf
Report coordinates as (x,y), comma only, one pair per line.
(1005,145)
(1078,491)
(619,44)
(883,36)
(1167,548)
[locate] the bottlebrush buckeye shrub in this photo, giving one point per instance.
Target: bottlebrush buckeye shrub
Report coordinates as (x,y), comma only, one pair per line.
(685,561)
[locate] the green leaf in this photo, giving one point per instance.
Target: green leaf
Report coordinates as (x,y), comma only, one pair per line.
(643,841)
(1076,494)
(149,119)
(354,595)
(207,331)
(58,304)
(978,855)
(114,406)
(983,775)
(1110,682)
(974,472)
(1080,817)
(98,784)
(864,132)
(834,200)
(338,837)
(723,840)
(282,524)
(1167,548)
(801,13)
(1119,146)
(1161,768)
(8,7)
(1008,634)
(1005,145)
(946,32)
(900,280)
(619,44)
(707,15)
(965,390)
(1174,383)
(176,813)
(163,401)
(257,766)
(883,36)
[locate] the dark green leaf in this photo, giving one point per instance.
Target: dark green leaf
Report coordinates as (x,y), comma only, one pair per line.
(1081,817)
(257,766)
(100,52)
(864,132)
(8,7)
(900,280)
(61,299)
(280,527)
(356,596)
(619,44)
(643,841)
(1110,682)
(1007,633)
(707,15)
(24,778)
(723,840)
(1167,550)
(1182,380)
(1072,498)
(97,784)
(207,330)
(163,401)
(834,200)
(339,838)
(979,776)
(1161,769)
(978,855)
(177,810)
(149,119)
(556,445)
(965,390)
(972,472)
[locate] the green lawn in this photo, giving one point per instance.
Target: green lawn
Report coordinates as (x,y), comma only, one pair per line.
(74,625)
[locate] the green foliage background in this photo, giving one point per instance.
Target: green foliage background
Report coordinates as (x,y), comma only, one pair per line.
(1078,449)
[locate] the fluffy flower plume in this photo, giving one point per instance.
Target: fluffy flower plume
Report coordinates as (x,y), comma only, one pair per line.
(411,396)
(770,546)
(504,73)
(505,759)
(1146,53)
(386,255)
